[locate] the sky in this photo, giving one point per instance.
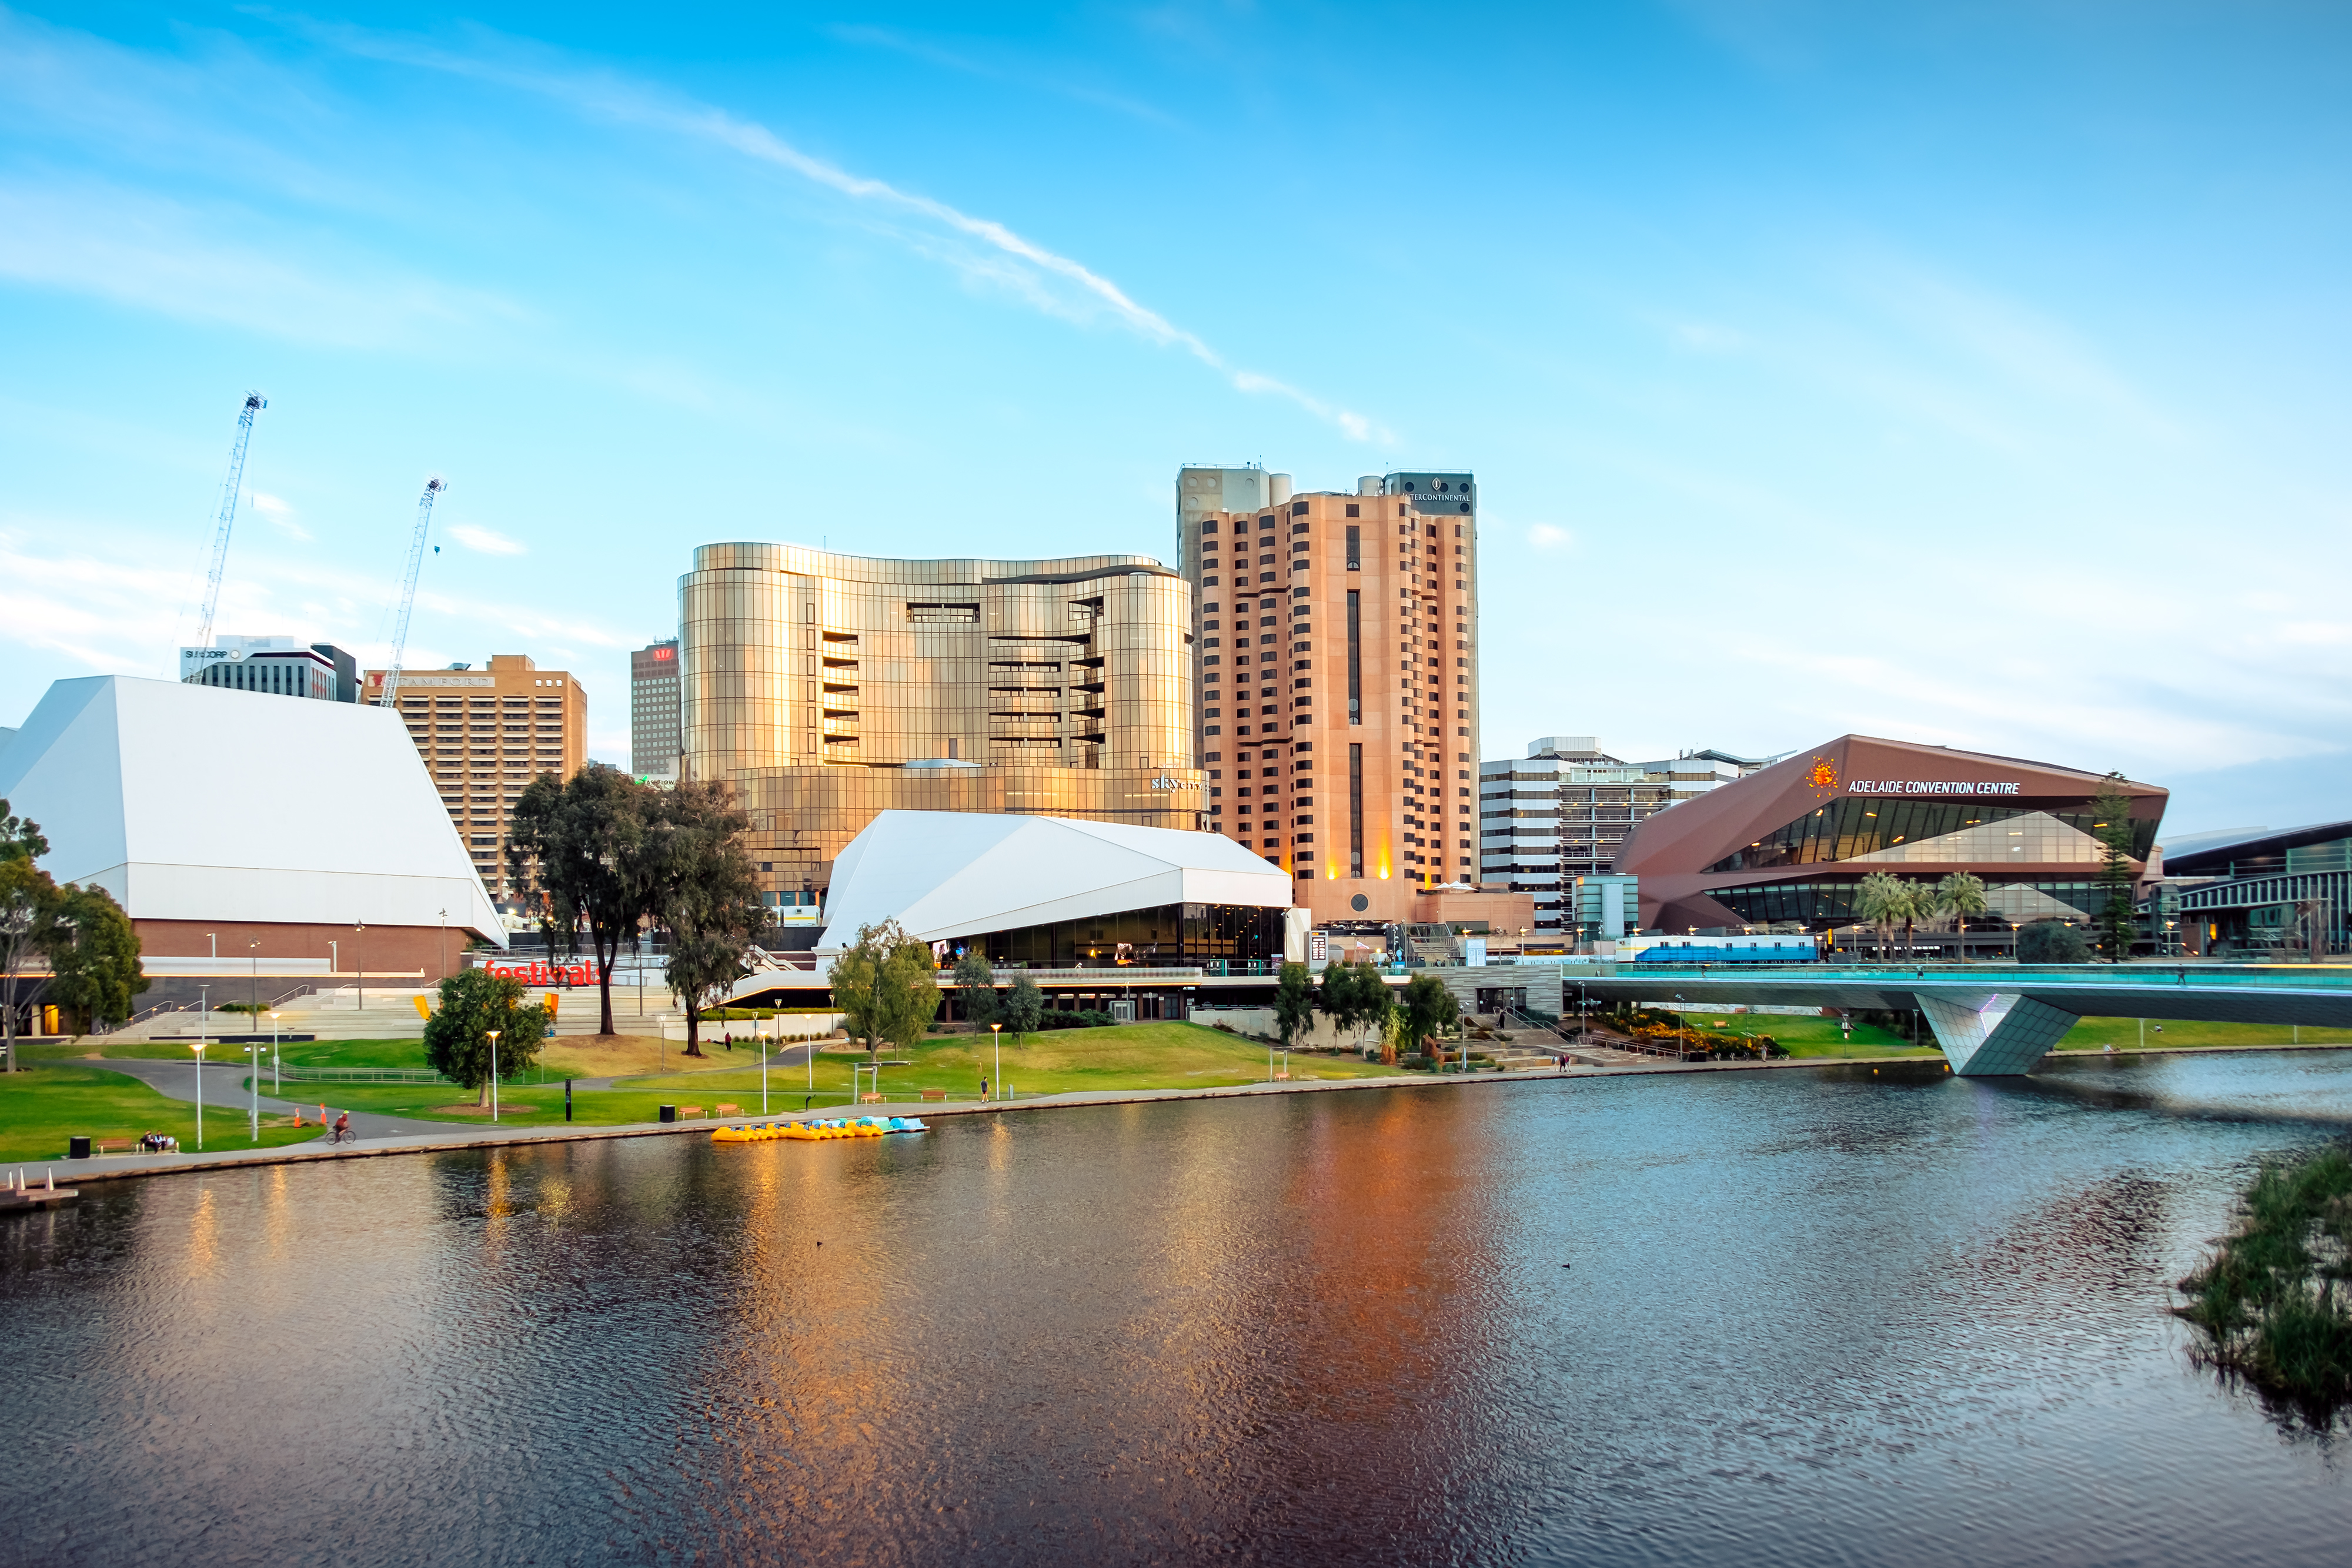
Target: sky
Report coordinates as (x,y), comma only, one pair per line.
(1972,374)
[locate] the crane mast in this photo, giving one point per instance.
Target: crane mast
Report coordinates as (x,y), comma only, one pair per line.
(434,486)
(254,404)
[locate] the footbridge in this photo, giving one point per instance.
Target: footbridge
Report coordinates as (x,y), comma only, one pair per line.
(1997,1020)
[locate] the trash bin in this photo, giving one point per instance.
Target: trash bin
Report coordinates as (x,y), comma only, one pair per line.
(669,1114)
(76,1148)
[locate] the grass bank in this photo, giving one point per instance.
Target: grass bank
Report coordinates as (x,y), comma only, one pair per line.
(2274,1302)
(56,1100)
(1124,1057)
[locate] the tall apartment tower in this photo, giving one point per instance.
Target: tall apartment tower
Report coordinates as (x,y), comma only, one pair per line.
(484,733)
(1338,670)
(828,688)
(654,738)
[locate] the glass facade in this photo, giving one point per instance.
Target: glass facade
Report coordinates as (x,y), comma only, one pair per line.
(1165,935)
(1882,826)
(828,688)
(1831,902)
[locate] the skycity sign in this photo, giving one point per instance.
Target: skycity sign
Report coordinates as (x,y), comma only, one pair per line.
(1933,787)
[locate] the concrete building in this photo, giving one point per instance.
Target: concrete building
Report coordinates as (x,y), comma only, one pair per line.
(277,666)
(239,884)
(1337,671)
(830,688)
(654,738)
(1564,811)
(1789,843)
(485,733)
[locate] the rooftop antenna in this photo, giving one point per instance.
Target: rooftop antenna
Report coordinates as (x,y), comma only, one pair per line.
(434,486)
(254,404)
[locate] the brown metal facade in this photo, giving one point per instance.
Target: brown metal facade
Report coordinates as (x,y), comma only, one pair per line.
(1791,842)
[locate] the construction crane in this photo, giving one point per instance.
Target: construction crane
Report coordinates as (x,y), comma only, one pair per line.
(434,486)
(254,404)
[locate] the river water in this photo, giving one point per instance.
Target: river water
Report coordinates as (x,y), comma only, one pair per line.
(1805,1317)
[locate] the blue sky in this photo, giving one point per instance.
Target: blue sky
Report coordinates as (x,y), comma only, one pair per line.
(1966,374)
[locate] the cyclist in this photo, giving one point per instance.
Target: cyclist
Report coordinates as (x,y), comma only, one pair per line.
(344,1128)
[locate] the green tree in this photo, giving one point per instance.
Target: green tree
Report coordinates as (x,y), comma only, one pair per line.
(1024,1005)
(586,848)
(1885,901)
(1339,994)
(26,891)
(93,953)
(1294,1003)
(886,985)
(457,1035)
(709,894)
(1960,895)
(2111,822)
(2052,942)
(1429,1009)
(975,987)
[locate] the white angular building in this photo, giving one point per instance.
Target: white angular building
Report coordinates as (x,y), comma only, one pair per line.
(303,837)
(1058,891)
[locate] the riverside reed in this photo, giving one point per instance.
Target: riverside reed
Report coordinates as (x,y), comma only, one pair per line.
(2274,1302)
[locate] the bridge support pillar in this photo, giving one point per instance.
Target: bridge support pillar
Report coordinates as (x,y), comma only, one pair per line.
(1993,1034)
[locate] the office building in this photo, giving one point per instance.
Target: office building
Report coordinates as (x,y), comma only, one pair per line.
(654,735)
(1564,810)
(276,665)
(1338,672)
(232,887)
(484,733)
(1791,841)
(829,688)
(2283,895)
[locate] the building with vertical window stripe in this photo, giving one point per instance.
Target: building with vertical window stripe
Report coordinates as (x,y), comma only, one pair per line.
(1336,663)
(654,735)
(274,666)
(484,733)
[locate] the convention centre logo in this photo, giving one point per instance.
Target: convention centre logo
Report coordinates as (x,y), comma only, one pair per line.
(1823,778)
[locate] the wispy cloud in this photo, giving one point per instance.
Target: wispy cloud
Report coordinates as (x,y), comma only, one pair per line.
(279,514)
(1054,80)
(1546,536)
(1073,289)
(485,541)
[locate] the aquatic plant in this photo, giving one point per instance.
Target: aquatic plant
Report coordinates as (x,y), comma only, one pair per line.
(2273,1303)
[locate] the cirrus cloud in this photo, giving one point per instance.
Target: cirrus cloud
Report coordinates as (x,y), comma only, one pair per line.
(485,541)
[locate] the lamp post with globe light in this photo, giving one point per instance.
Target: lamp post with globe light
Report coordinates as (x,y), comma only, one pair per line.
(494,1073)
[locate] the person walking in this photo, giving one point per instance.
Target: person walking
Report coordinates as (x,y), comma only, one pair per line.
(984,1086)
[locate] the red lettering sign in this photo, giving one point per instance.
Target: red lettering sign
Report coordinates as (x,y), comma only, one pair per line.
(662,654)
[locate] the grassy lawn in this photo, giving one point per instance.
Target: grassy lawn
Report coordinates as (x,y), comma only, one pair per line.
(1816,1036)
(1132,1056)
(2124,1034)
(40,1110)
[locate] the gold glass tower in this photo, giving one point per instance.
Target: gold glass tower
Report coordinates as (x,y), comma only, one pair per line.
(827,689)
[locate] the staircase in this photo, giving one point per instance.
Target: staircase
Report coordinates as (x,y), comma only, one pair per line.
(1433,945)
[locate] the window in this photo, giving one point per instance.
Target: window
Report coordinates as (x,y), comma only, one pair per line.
(1355,657)
(1355,546)
(943,614)
(1355,805)
(1354,510)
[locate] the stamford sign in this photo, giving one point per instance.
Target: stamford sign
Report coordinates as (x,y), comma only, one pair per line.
(1933,787)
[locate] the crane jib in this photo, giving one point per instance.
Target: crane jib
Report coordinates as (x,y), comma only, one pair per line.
(434,486)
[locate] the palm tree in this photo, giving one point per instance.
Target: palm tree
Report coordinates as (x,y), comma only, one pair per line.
(1881,899)
(1960,895)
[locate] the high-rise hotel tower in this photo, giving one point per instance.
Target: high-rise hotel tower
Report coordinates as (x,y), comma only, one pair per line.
(1336,667)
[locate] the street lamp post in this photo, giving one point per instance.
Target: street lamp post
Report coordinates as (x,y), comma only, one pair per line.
(199,1049)
(277,1062)
(253,954)
(997,1031)
(359,956)
(776,1024)
(494,1073)
(253,1050)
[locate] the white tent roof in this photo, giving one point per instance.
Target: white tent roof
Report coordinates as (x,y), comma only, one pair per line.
(203,803)
(958,873)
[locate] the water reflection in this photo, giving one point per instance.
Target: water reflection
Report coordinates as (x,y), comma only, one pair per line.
(1804,1316)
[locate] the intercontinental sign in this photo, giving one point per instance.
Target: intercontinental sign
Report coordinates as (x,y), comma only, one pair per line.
(1933,787)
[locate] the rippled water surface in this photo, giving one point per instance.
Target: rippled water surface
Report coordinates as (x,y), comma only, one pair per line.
(1809,1317)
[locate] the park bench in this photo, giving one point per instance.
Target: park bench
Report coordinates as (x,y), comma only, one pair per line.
(685,1111)
(726,1110)
(869,1098)
(935,1093)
